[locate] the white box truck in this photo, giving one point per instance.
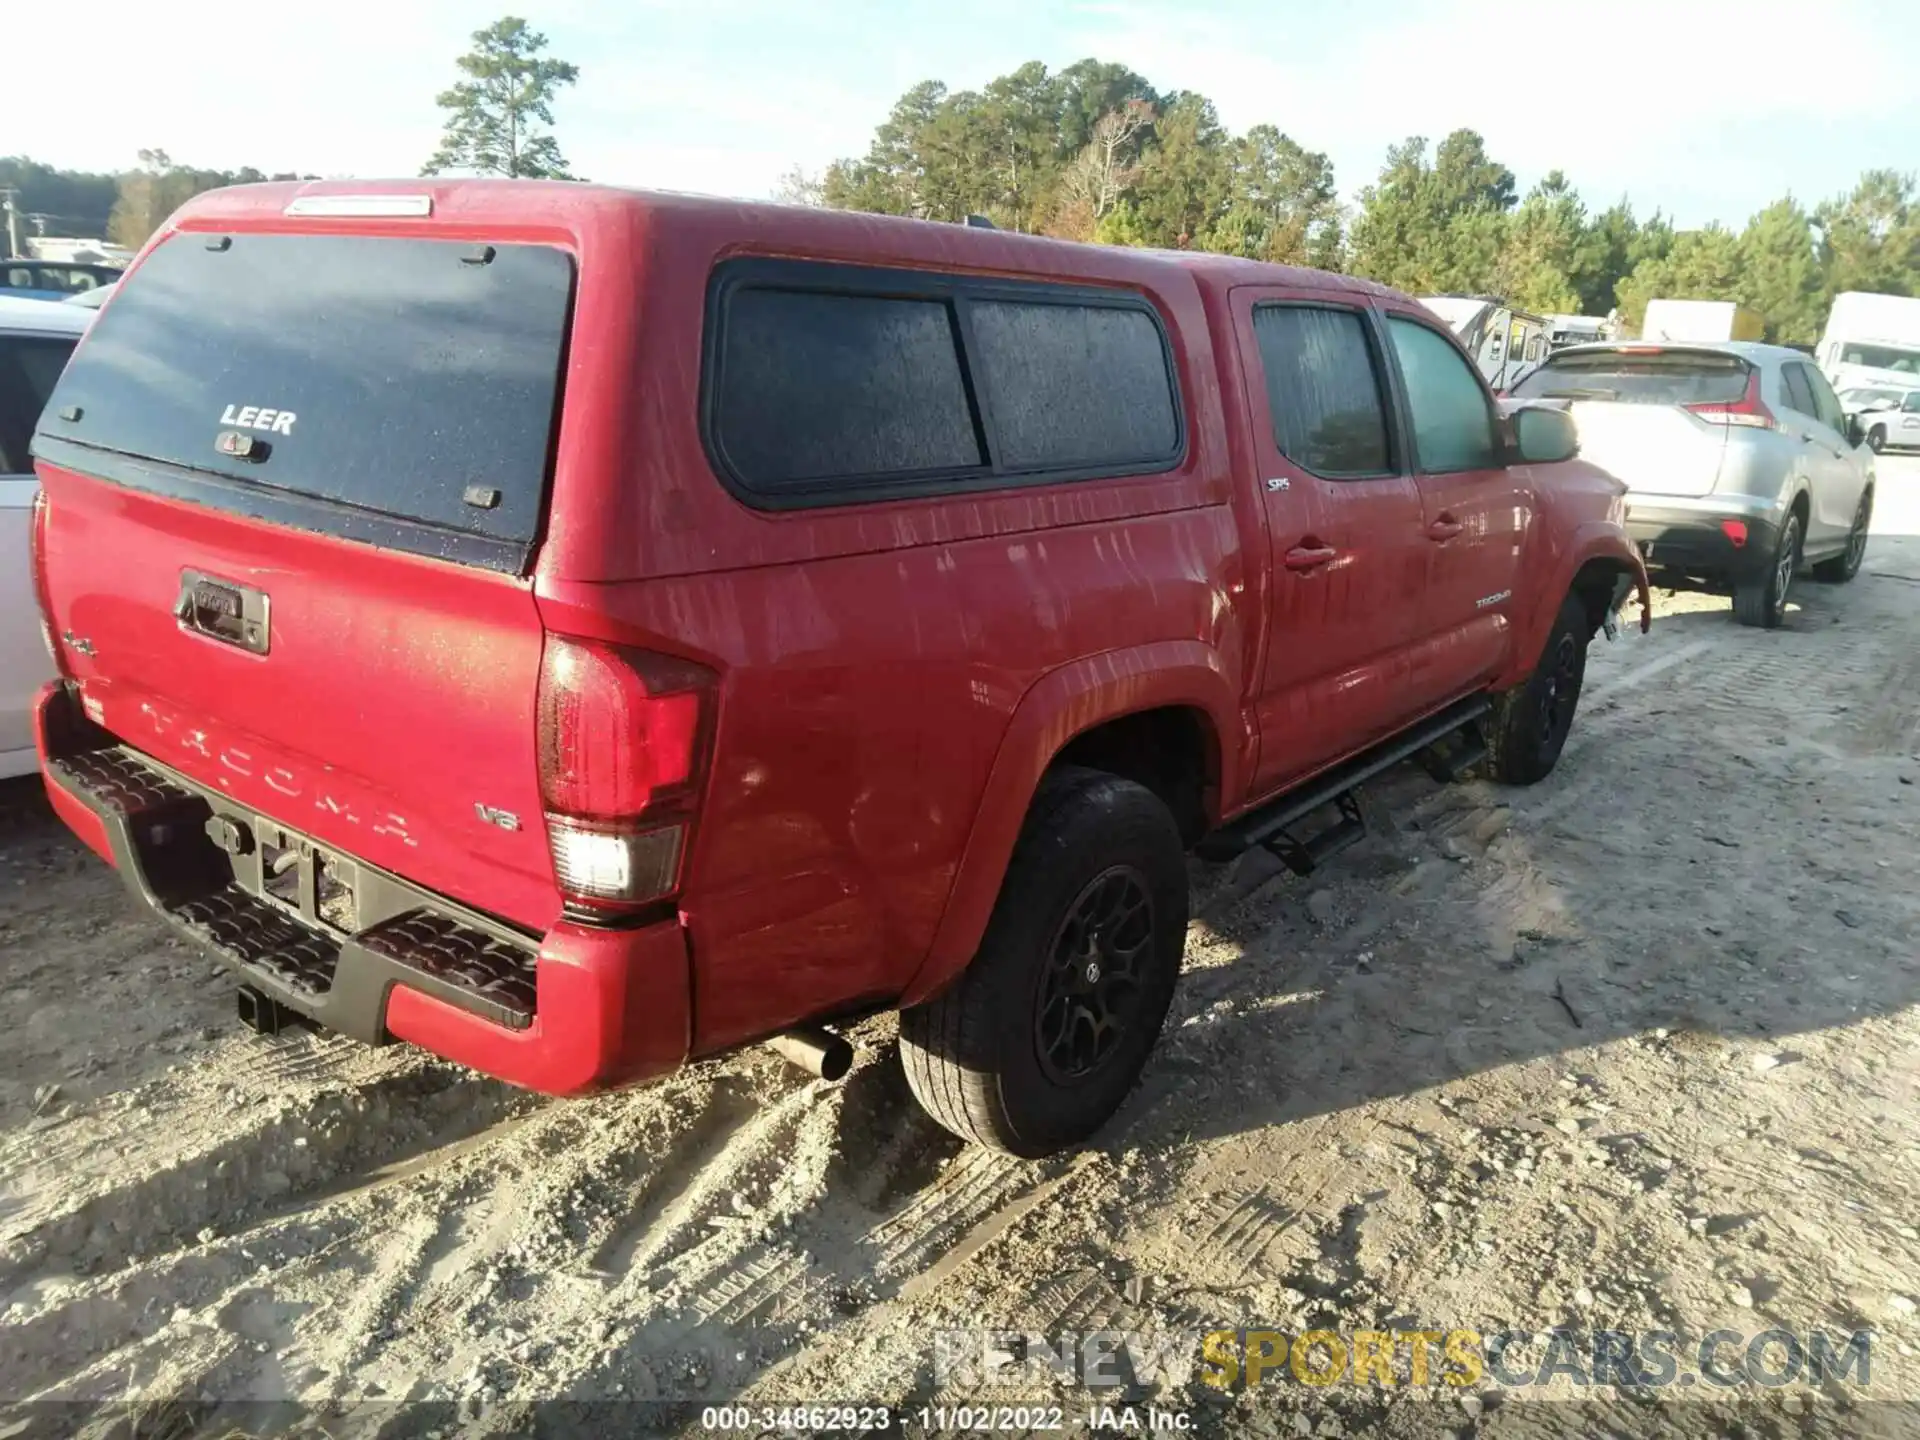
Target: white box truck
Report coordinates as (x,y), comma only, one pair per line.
(1700,320)
(1872,341)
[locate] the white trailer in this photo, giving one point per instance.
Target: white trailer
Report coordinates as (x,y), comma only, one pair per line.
(1507,344)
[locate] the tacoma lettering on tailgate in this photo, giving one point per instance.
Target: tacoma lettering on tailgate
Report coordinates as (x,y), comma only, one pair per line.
(277,778)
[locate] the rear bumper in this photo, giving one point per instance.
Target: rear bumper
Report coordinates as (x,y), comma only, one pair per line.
(577,1009)
(1689,535)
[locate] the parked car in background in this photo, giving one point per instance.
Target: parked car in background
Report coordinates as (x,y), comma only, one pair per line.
(1862,398)
(577,630)
(36,337)
(1739,461)
(1891,418)
(52,279)
(93,299)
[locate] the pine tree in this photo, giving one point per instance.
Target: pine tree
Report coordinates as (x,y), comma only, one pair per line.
(491,114)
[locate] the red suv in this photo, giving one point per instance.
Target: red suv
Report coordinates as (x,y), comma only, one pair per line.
(577,631)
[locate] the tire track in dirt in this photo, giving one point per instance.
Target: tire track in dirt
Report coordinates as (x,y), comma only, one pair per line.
(139,1369)
(679,1213)
(180,1180)
(1889,722)
(977,1183)
(89,1324)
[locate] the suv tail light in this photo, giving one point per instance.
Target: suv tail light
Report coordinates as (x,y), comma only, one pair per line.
(1749,409)
(622,752)
(42,591)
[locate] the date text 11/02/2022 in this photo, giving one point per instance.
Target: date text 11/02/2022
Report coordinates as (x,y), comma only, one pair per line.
(933,1419)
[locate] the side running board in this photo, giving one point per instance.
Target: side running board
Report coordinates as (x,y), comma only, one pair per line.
(1270,826)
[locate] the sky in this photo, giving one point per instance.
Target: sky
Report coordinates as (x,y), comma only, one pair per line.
(1704,109)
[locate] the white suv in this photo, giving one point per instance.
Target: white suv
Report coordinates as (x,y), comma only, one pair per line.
(1891,418)
(36,336)
(1740,464)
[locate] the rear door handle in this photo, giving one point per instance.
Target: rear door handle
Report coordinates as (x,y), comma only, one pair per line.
(1445,528)
(1309,557)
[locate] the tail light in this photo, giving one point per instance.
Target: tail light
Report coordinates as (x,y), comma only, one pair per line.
(42,592)
(1749,409)
(622,752)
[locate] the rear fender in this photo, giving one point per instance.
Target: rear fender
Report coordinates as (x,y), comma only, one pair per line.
(1062,704)
(1594,540)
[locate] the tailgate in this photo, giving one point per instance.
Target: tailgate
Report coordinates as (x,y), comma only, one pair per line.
(1653,449)
(293,485)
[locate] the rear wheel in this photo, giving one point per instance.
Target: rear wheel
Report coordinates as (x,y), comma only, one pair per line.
(1844,566)
(1762,600)
(1530,723)
(1036,1044)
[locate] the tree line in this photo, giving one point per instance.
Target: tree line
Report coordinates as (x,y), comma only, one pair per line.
(1094,152)
(125,207)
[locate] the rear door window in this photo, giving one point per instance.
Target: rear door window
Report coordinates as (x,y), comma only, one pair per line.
(1452,418)
(411,380)
(1323,389)
(30,366)
(1799,394)
(1647,377)
(1826,405)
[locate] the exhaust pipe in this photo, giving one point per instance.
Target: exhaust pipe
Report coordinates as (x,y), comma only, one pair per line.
(815,1050)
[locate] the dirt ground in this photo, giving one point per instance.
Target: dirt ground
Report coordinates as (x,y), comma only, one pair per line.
(1635,1049)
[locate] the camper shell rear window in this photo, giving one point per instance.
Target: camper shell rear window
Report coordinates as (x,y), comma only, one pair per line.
(394,390)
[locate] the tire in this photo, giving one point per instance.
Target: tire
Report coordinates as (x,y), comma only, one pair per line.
(1844,566)
(1877,439)
(1006,1056)
(1530,723)
(1762,601)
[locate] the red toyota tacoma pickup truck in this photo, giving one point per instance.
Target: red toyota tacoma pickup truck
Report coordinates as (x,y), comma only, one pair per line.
(577,631)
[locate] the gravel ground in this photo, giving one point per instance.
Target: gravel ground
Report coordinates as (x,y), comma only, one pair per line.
(1634,1049)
